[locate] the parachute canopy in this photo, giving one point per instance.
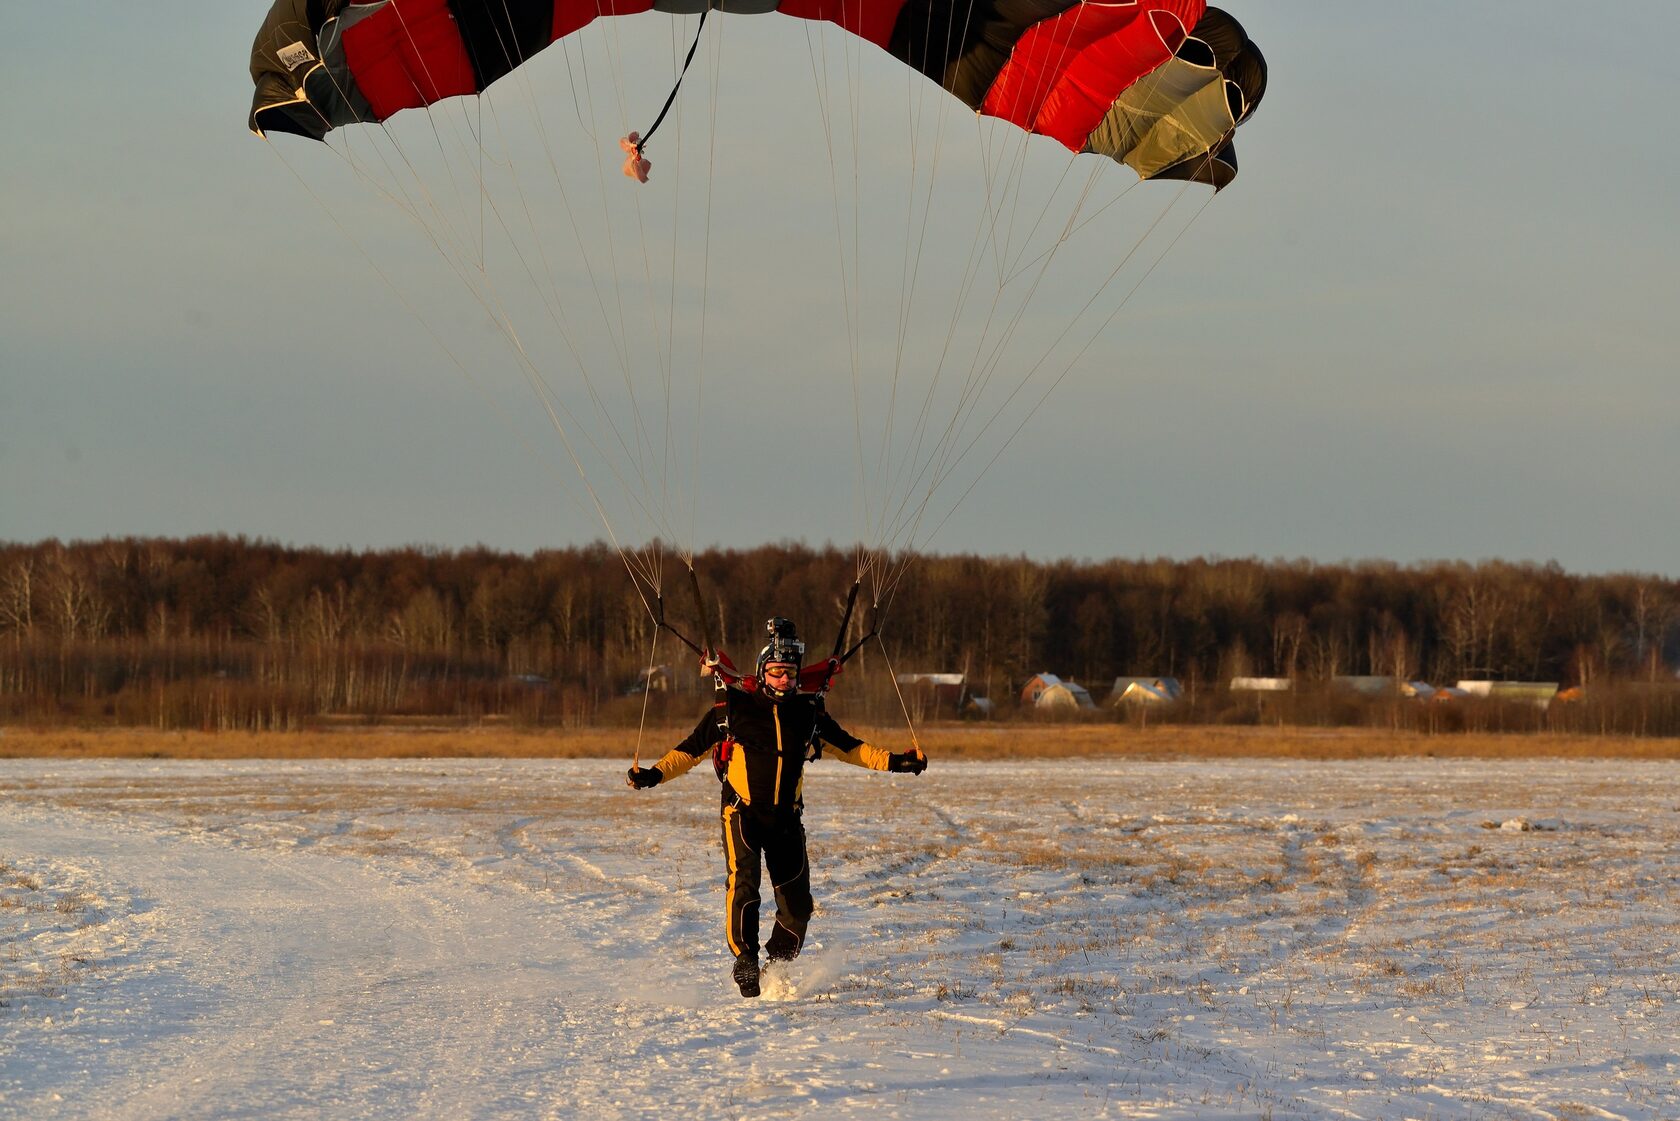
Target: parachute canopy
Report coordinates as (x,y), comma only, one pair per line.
(1159,85)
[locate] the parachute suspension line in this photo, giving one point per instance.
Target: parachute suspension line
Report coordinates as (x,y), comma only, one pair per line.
(706,279)
(641,143)
(664,354)
(705,297)
(458,259)
(606,224)
(481,190)
(909,721)
(424,322)
(917,94)
(601,409)
(888,529)
(1009,271)
(654,500)
(485,292)
(654,510)
(1018,169)
(948,464)
(894,530)
(552,302)
(1092,217)
(1068,367)
(618,339)
(853,278)
(463,368)
(431,120)
(870,491)
(819,79)
(970,274)
(647,691)
(685,542)
(1078,316)
(888,476)
(1020,141)
(487,296)
(851,59)
(948,458)
(909,274)
(985,363)
(1015,269)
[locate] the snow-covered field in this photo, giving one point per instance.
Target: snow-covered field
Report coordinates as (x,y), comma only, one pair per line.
(479,939)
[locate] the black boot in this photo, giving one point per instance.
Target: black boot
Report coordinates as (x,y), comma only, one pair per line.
(782,945)
(746,972)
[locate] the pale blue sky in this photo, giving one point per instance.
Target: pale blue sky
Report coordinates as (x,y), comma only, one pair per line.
(1433,318)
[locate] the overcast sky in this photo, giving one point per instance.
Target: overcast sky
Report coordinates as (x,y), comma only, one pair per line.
(1433,318)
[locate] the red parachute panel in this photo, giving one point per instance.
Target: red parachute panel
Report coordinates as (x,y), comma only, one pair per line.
(408,54)
(1065,73)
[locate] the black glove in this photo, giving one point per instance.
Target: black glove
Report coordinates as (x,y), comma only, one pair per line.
(644,777)
(910,762)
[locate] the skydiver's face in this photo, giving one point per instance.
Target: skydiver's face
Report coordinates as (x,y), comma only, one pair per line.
(781,677)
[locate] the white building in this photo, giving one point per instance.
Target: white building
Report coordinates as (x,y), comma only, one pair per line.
(1145,690)
(1536,693)
(1047,691)
(1261,684)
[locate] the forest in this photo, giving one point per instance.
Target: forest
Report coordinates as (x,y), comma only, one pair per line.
(225,632)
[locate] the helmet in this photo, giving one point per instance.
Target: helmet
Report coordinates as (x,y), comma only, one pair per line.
(783,648)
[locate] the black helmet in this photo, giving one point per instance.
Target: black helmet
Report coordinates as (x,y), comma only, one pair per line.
(783,648)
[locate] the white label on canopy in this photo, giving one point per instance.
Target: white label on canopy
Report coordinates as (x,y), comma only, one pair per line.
(294,55)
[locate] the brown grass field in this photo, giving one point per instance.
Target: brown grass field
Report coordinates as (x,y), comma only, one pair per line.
(951,741)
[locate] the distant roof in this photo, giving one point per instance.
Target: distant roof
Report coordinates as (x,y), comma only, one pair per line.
(1037,684)
(1143,692)
(930,678)
(1065,694)
(1538,693)
(1366,685)
(1169,685)
(1498,689)
(1261,684)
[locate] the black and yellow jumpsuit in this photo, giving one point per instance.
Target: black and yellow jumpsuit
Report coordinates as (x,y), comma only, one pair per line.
(762,787)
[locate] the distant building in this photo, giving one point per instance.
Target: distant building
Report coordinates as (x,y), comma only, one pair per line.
(1536,693)
(1047,691)
(1036,685)
(1378,686)
(1369,685)
(943,688)
(1261,684)
(655,679)
(934,693)
(1145,690)
(1065,694)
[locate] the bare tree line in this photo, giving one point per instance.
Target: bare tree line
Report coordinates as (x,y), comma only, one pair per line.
(233,632)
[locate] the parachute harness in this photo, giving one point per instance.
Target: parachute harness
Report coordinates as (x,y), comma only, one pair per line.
(637,166)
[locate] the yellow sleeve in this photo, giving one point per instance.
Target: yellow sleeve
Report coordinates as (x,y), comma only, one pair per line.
(863,755)
(675,763)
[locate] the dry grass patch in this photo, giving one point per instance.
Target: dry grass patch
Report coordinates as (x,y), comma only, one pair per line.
(942,741)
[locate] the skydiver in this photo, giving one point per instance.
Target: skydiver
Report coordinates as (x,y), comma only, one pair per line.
(762,731)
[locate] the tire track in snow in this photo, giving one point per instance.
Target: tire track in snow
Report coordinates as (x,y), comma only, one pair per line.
(315,987)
